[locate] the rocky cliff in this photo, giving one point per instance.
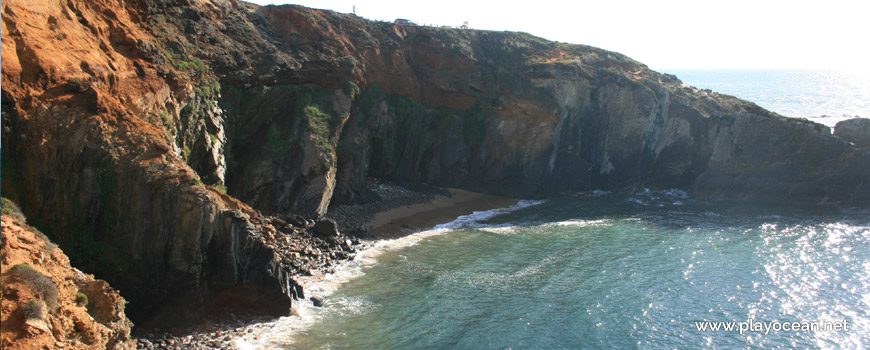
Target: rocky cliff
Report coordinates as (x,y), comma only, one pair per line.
(124,122)
(855,131)
(330,99)
(101,130)
(48,304)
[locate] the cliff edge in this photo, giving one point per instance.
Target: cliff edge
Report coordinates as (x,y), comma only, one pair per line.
(47,303)
(166,145)
(98,127)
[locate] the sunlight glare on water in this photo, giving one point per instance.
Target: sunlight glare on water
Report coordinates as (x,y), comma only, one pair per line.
(807,93)
(606,272)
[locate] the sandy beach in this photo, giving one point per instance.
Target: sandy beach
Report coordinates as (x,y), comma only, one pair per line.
(408,219)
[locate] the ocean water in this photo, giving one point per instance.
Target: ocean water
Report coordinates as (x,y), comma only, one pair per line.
(824,96)
(604,271)
(599,271)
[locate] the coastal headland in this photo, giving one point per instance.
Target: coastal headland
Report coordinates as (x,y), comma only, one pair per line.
(189,152)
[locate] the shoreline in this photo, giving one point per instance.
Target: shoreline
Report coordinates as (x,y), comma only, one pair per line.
(399,216)
(388,230)
(410,219)
(403,225)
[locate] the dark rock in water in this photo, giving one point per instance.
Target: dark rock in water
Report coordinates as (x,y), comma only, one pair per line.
(297,292)
(856,131)
(505,115)
(326,228)
(317,301)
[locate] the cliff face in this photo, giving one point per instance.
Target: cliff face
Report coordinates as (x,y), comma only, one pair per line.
(511,114)
(117,114)
(102,130)
(330,99)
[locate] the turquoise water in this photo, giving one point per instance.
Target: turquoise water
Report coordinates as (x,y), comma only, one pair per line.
(791,92)
(614,272)
(603,271)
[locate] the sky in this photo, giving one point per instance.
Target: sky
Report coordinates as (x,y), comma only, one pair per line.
(664,34)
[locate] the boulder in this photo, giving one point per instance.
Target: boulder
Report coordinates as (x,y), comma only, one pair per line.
(855,131)
(317,301)
(326,228)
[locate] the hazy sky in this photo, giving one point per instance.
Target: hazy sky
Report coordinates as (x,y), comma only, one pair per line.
(664,34)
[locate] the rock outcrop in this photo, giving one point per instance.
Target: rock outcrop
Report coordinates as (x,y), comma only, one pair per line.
(76,311)
(331,99)
(107,141)
(162,143)
(512,114)
(855,131)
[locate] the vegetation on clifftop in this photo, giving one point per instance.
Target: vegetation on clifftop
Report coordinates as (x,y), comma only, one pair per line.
(44,287)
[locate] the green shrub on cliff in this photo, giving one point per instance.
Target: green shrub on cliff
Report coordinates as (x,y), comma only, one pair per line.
(23,266)
(195,65)
(208,89)
(7,206)
(318,125)
(41,284)
(10,208)
(165,119)
(81,299)
(34,310)
(220,188)
(352,90)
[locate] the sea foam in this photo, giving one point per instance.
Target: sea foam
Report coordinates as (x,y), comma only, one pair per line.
(281,331)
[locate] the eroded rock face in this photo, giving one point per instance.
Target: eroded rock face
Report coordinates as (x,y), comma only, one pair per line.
(511,114)
(855,131)
(108,140)
(95,320)
(117,114)
(497,112)
(283,146)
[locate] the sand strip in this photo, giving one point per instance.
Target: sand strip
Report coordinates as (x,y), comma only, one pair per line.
(408,219)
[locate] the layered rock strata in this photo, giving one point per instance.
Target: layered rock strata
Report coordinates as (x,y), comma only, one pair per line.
(158,141)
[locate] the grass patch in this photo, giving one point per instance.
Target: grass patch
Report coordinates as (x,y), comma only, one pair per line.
(164,117)
(208,88)
(195,65)
(8,207)
(220,188)
(318,125)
